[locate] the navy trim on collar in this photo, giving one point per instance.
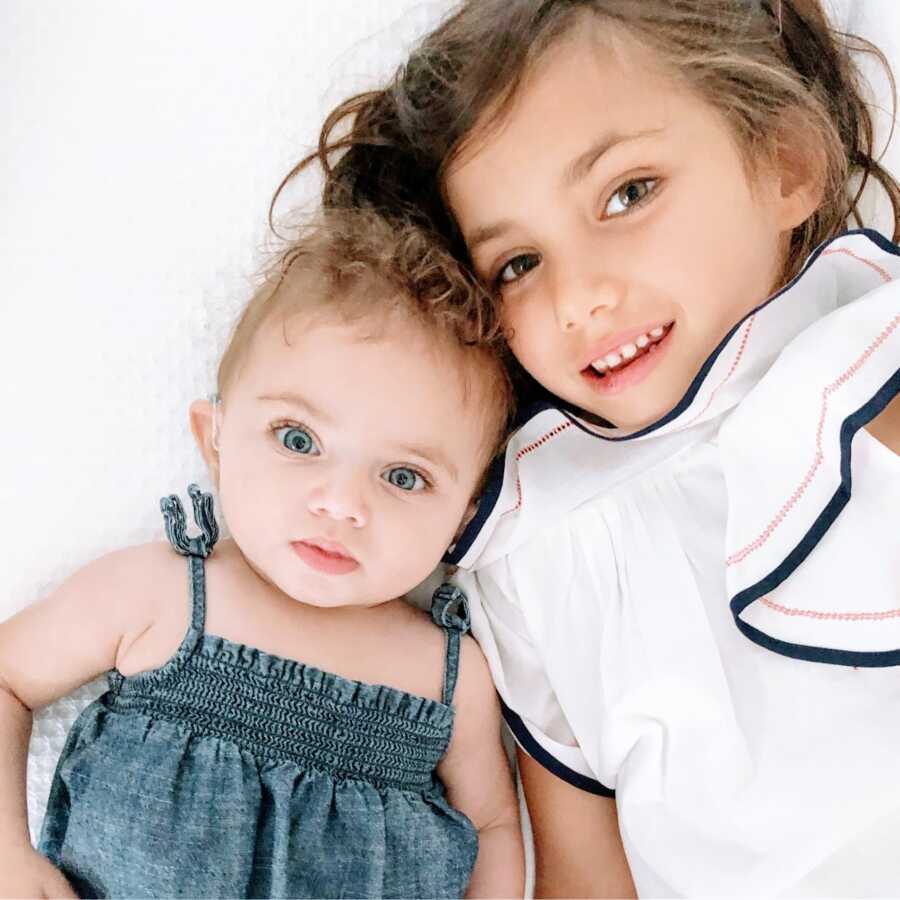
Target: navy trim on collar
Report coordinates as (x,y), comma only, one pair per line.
(486,504)
(545,400)
(571,412)
(551,763)
(824,521)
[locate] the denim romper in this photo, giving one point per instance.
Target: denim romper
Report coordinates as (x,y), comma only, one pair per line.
(230,772)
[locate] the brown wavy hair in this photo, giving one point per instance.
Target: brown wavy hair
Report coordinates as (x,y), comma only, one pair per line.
(758,63)
(353,265)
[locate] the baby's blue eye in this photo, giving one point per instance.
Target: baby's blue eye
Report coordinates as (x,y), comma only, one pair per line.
(297,440)
(404,478)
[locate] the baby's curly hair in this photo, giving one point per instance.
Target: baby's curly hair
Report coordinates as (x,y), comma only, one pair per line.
(354,265)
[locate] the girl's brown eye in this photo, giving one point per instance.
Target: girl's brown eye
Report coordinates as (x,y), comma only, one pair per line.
(631,194)
(516,268)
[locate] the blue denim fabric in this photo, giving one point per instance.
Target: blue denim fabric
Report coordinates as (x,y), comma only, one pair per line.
(230,772)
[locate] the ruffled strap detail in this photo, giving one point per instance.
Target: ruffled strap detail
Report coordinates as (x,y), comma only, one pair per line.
(811,572)
(176,525)
(450,610)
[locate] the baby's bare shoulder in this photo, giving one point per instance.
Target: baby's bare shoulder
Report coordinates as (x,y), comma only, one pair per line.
(417,626)
(82,625)
(139,578)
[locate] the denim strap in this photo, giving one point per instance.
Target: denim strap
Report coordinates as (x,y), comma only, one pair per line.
(176,526)
(195,548)
(449,609)
(198,592)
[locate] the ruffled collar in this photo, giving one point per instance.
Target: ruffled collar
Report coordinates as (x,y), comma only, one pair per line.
(558,460)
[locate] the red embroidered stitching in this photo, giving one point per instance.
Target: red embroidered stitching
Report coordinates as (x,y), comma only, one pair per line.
(754,545)
(524,452)
(841,616)
(734,365)
(882,272)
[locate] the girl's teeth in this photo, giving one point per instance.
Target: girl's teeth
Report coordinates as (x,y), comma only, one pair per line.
(629,351)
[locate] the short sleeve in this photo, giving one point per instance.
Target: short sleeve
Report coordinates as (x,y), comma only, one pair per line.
(530,706)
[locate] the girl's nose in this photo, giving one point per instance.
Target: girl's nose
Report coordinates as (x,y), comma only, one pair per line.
(340,499)
(581,295)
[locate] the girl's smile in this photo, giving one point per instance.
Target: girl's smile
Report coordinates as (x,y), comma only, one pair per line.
(631,362)
(623,235)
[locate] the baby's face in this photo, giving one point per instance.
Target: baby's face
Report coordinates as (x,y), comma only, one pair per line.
(347,462)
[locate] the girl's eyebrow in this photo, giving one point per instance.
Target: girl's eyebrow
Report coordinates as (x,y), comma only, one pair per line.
(487,233)
(574,172)
(297,400)
(584,162)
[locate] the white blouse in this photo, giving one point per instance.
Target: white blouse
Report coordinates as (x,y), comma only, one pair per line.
(703,617)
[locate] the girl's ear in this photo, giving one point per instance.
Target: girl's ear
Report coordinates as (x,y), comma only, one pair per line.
(801,166)
(204,427)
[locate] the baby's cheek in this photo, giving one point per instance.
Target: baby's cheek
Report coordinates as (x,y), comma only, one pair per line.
(427,541)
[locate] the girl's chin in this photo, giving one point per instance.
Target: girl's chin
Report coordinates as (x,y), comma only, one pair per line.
(622,420)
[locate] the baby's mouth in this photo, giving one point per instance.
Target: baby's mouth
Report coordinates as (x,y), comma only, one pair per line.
(619,359)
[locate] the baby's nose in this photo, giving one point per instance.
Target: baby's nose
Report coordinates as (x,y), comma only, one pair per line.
(340,499)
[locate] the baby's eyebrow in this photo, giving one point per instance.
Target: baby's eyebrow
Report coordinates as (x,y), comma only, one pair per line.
(294,399)
(434,455)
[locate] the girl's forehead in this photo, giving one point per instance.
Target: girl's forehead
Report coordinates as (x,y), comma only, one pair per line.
(598,73)
(577,104)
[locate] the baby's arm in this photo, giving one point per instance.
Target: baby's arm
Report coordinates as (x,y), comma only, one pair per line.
(46,651)
(477,776)
(577,847)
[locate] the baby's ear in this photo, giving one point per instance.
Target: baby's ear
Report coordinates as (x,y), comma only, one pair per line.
(203,426)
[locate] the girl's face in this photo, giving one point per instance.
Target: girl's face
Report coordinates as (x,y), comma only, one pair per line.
(346,460)
(611,209)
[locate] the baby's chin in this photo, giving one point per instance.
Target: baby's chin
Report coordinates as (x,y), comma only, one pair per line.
(337,591)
